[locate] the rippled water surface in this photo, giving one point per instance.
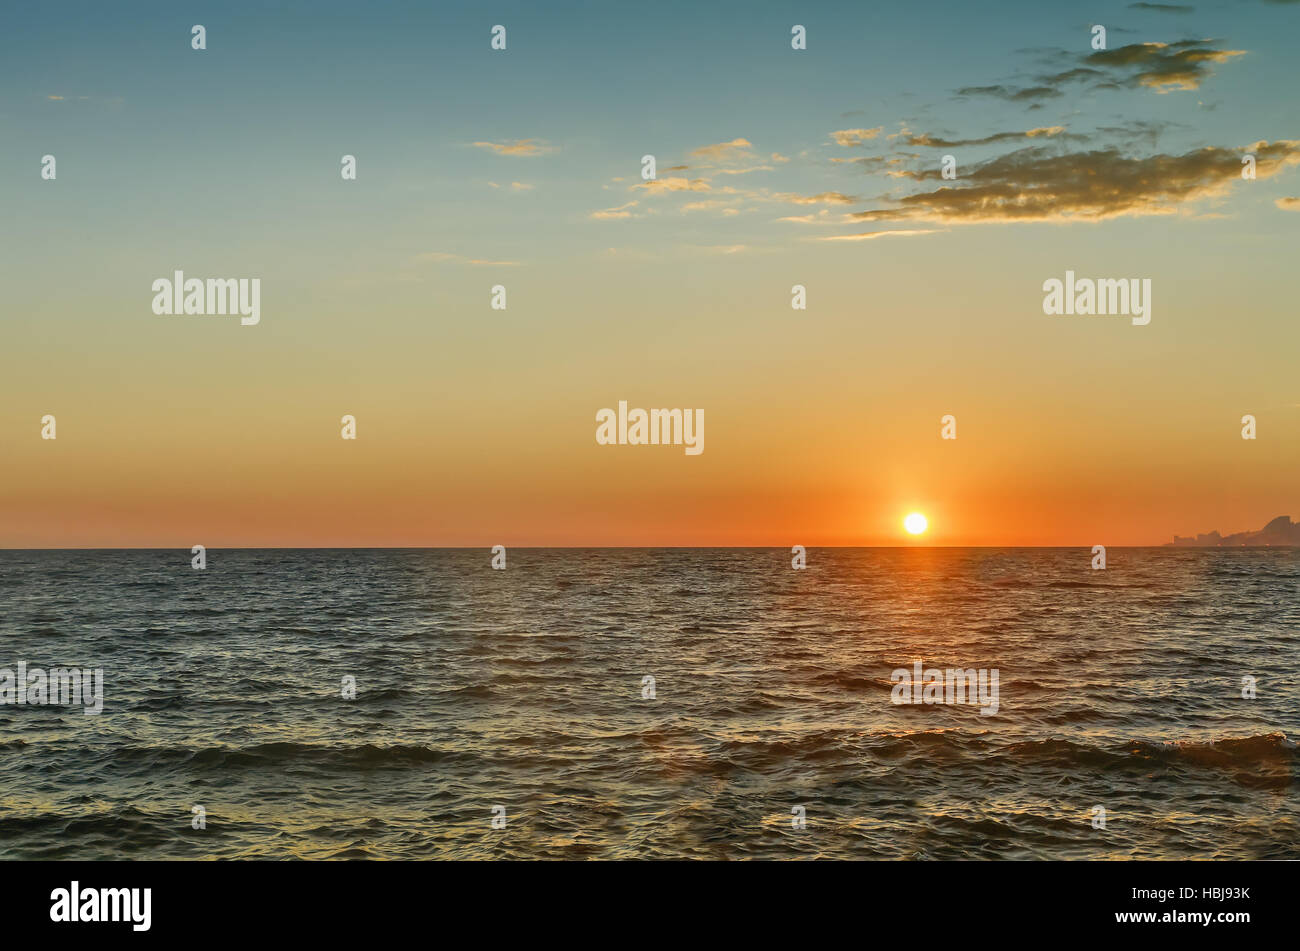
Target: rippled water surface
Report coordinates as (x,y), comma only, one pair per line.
(523,688)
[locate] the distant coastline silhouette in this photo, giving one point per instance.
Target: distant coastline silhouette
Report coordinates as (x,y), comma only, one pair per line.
(1279,532)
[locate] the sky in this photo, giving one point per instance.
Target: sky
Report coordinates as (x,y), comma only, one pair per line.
(522,167)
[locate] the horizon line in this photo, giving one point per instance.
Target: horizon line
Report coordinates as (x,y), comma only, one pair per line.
(617,547)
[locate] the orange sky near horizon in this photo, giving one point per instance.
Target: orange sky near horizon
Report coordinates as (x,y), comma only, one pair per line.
(277,474)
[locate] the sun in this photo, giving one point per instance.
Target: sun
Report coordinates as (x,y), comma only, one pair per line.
(915,523)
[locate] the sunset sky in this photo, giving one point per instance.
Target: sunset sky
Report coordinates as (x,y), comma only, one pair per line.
(775,167)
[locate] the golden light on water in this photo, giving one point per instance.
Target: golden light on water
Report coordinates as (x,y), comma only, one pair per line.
(915,523)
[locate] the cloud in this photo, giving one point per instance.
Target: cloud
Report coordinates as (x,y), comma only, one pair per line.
(611,213)
(731,151)
(1010,93)
(822,217)
(110,101)
(1161,7)
(851,137)
(675,184)
(518,147)
(872,235)
(875,162)
(442,257)
(937,143)
(1145,129)
(723,157)
(1164,66)
(1288,204)
(735,196)
(709,204)
(1033,184)
(822,198)
(1077,74)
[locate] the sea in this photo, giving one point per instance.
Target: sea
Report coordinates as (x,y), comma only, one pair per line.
(653,704)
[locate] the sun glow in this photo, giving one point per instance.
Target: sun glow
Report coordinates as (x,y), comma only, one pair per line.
(915,523)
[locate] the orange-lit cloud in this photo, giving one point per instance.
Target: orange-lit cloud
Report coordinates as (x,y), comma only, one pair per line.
(622,211)
(723,151)
(851,137)
(869,235)
(518,147)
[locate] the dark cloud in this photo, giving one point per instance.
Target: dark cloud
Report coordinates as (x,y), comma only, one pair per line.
(1144,129)
(1010,93)
(1161,66)
(935,142)
(876,163)
(1161,7)
(1079,73)
(1038,184)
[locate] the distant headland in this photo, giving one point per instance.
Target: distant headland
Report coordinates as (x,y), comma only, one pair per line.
(1280,532)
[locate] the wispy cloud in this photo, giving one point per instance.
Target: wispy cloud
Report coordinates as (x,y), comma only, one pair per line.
(872,235)
(822,198)
(711,204)
(875,163)
(1161,7)
(675,184)
(517,147)
(442,257)
(607,214)
(821,217)
(736,157)
(931,141)
(731,151)
(1011,93)
(111,102)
